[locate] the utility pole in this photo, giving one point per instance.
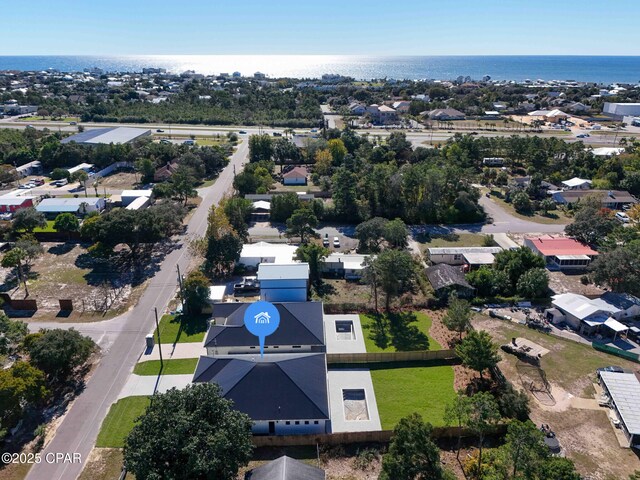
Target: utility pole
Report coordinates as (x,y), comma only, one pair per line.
(181,289)
(155,309)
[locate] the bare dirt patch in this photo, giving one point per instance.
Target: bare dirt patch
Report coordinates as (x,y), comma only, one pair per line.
(585,435)
(66,271)
(123,180)
(561,282)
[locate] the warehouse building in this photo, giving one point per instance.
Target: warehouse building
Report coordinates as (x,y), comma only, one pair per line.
(105,136)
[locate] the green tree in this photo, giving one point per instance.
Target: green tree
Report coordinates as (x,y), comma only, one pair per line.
(323,160)
(559,469)
(609,266)
(547,205)
(591,223)
(28,219)
(283,206)
(15,258)
(146,168)
(21,385)
(60,173)
(196,292)
(31,246)
(59,352)
(314,255)
(66,222)
(302,224)
(457,413)
(525,446)
(396,233)
(458,317)
(238,210)
(370,234)
(412,454)
(489,281)
(192,433)
(393,272)
(521,202)
(260,148)
(12,333)
(483,416)
(183,184)
(478,352)
(221,245)
(513,403)
(81,177)
(533,283)
(338,150)
(516,262)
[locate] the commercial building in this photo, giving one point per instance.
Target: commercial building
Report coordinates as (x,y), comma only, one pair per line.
(561,253)
(106,136)
(11,203)
(623,390)
(620,110)
(283,282)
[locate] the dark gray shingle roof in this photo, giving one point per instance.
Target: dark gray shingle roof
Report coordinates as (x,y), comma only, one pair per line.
(274,387)
(443,275)
(301,323)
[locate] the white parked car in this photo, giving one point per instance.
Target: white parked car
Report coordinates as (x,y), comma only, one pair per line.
(336,242)
(623,217)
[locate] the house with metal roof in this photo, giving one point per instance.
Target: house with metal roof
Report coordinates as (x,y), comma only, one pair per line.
(51,207)
(623,390)
(587,316)
(105,136)
(283,394)
(301,329)
(344,265)
(473,256)
(283,282)
(285,468)
(12,203)
(561,253)
(612,199)
(253,254)
(576,183)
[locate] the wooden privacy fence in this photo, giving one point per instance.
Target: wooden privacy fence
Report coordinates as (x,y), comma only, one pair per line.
(389,357)
(344,438)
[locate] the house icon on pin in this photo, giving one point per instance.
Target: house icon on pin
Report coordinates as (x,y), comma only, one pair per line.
(262,317)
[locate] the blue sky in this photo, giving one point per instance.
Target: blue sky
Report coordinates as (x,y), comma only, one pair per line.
(373,27)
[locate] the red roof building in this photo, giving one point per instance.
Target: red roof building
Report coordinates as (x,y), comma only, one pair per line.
(295,176)
(562,253)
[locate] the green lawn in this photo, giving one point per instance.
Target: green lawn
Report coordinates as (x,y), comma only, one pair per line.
(397,333)
(182,329)
(402,391)
(120,420)
(35,118)
(176,366)
(452,240)
(48,228)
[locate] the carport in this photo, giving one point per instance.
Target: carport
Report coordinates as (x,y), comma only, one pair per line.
(616,326)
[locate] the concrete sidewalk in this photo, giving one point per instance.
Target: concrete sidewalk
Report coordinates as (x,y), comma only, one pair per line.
(179,350)
(146,384)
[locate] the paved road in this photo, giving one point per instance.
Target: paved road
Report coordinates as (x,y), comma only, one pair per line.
(503,222)
(125,339)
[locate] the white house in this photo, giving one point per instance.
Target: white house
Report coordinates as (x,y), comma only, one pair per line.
(283,394)
(253,254)
(295,176)
(402,106)
(129,196)
(51,207)
(345,265)
(283,282)
(576,183)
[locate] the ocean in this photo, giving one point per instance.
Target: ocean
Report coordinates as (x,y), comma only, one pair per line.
(598,69)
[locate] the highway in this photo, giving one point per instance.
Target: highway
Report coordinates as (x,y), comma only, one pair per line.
(124,341)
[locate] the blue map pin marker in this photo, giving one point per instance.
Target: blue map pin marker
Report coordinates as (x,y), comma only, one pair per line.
(262,319)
